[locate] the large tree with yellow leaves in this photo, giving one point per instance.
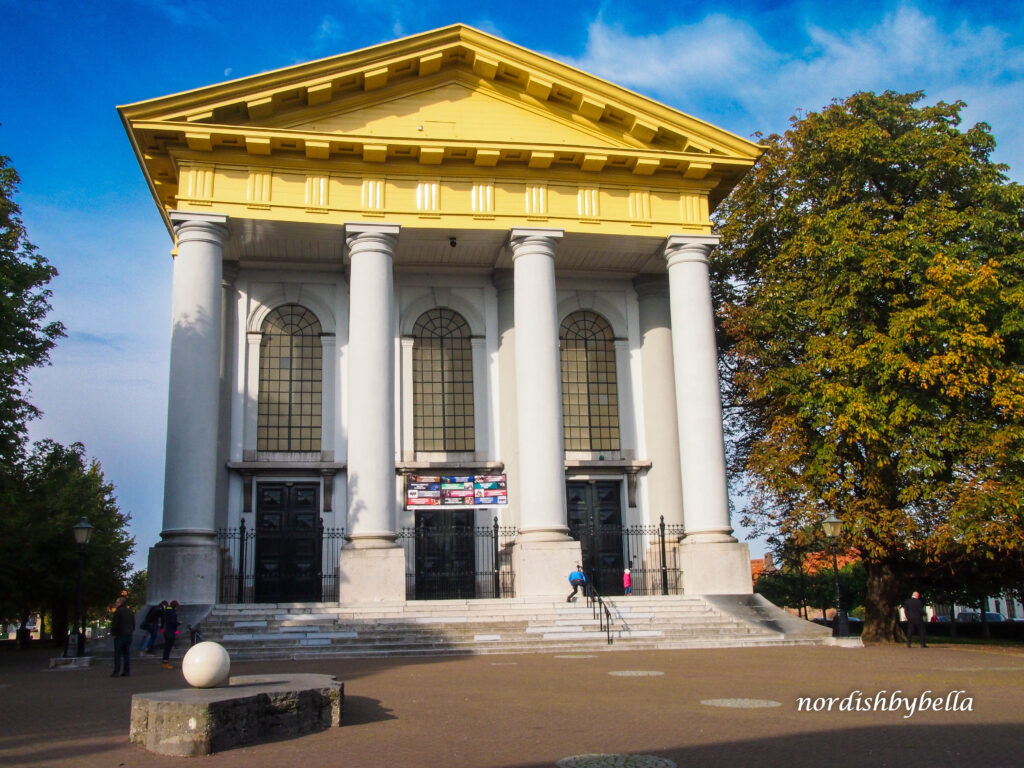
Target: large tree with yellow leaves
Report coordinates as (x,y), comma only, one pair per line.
(871,295)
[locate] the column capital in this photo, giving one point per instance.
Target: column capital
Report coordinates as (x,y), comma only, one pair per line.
(199,227)
(229,272)
(680,248)
(651,285)
(526,240)
(360,233)
(503,279)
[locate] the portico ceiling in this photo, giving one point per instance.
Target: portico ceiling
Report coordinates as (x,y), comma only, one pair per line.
(256,243)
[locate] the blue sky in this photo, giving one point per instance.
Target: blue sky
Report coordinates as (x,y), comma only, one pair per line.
(745,66)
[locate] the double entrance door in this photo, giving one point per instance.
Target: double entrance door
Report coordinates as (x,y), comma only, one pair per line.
(594,509)
(289,543)
(445,554)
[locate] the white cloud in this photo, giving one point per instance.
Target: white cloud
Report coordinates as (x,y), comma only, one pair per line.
(182,12)
(329,30)
(722,68)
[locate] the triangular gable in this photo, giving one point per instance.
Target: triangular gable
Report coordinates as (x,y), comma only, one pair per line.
(451,99)
(457,110)
(280,97)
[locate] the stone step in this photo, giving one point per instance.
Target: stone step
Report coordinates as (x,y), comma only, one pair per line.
(446,627)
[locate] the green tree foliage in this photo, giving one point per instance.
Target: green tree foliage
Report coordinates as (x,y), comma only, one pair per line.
(58,486)
(792,589)
(136,586)
(871,288)
(25,337)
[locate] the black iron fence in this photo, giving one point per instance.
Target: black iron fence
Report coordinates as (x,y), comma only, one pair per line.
(244,580)
(647,550)
(459,562)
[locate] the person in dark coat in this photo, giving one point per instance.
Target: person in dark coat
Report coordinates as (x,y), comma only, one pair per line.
(170,632)
(152,625)
(914,609)
(122,625)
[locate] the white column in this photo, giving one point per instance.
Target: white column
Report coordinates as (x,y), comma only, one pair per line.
(538,387)
(508,420)
(665,495)
(544,554)
(253,341)
(328,385)
(240,374)
(371,383)
(193,394)
(481,413)
(408,444)
(698,401)
(184,563)
(371,566)
(624,384)
(711,559)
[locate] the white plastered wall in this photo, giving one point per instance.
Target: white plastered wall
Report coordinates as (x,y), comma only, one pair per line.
(474,298)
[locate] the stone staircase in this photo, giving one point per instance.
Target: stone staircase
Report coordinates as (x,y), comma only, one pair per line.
(461,627)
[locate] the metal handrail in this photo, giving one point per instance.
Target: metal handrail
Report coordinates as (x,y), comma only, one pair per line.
(600,610)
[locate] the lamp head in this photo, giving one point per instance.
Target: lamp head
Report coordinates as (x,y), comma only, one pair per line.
(833,527)
(83,532)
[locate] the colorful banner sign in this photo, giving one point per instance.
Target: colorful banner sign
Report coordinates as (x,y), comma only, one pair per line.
(456,491)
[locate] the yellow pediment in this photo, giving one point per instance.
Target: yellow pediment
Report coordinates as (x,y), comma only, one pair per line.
(459,111)
(418,117)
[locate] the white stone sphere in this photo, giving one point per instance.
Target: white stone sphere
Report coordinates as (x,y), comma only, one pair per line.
(206,665)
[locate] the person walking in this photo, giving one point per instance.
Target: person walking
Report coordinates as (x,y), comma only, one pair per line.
(170,632)
(152,625)
(627,580)
(914,609)
(578,579)
(122,625)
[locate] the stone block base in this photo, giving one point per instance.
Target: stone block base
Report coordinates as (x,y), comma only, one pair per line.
(186,573)
(251,708)
(371,575)
(71,662)
(716,568)
(542,568)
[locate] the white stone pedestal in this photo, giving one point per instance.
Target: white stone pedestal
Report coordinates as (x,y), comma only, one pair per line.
(371,575)
(183,572)
(542,568)
(715,568)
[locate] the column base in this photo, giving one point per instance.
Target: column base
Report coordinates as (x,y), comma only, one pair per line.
(184,572)
(715,568)
(371,575)
(542,568)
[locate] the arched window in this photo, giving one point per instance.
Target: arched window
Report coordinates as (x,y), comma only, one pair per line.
(291,381)
(590,400)
(442,381)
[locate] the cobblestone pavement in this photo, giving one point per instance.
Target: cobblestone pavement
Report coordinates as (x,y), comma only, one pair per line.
(729,707)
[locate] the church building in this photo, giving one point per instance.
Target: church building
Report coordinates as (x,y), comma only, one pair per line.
(426,289)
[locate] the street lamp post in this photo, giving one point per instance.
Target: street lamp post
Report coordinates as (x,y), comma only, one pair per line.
(833,529)
(83,533)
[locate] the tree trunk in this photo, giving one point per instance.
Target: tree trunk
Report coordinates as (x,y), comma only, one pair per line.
(881,603)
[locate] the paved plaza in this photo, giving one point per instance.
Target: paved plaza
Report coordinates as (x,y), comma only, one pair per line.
(706,708)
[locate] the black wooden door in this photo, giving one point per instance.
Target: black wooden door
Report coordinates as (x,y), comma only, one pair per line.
(288,543)
(595,520)
(445,554)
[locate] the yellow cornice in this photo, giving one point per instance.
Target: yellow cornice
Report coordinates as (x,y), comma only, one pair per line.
(256,140)
(600,133)
(456,47)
